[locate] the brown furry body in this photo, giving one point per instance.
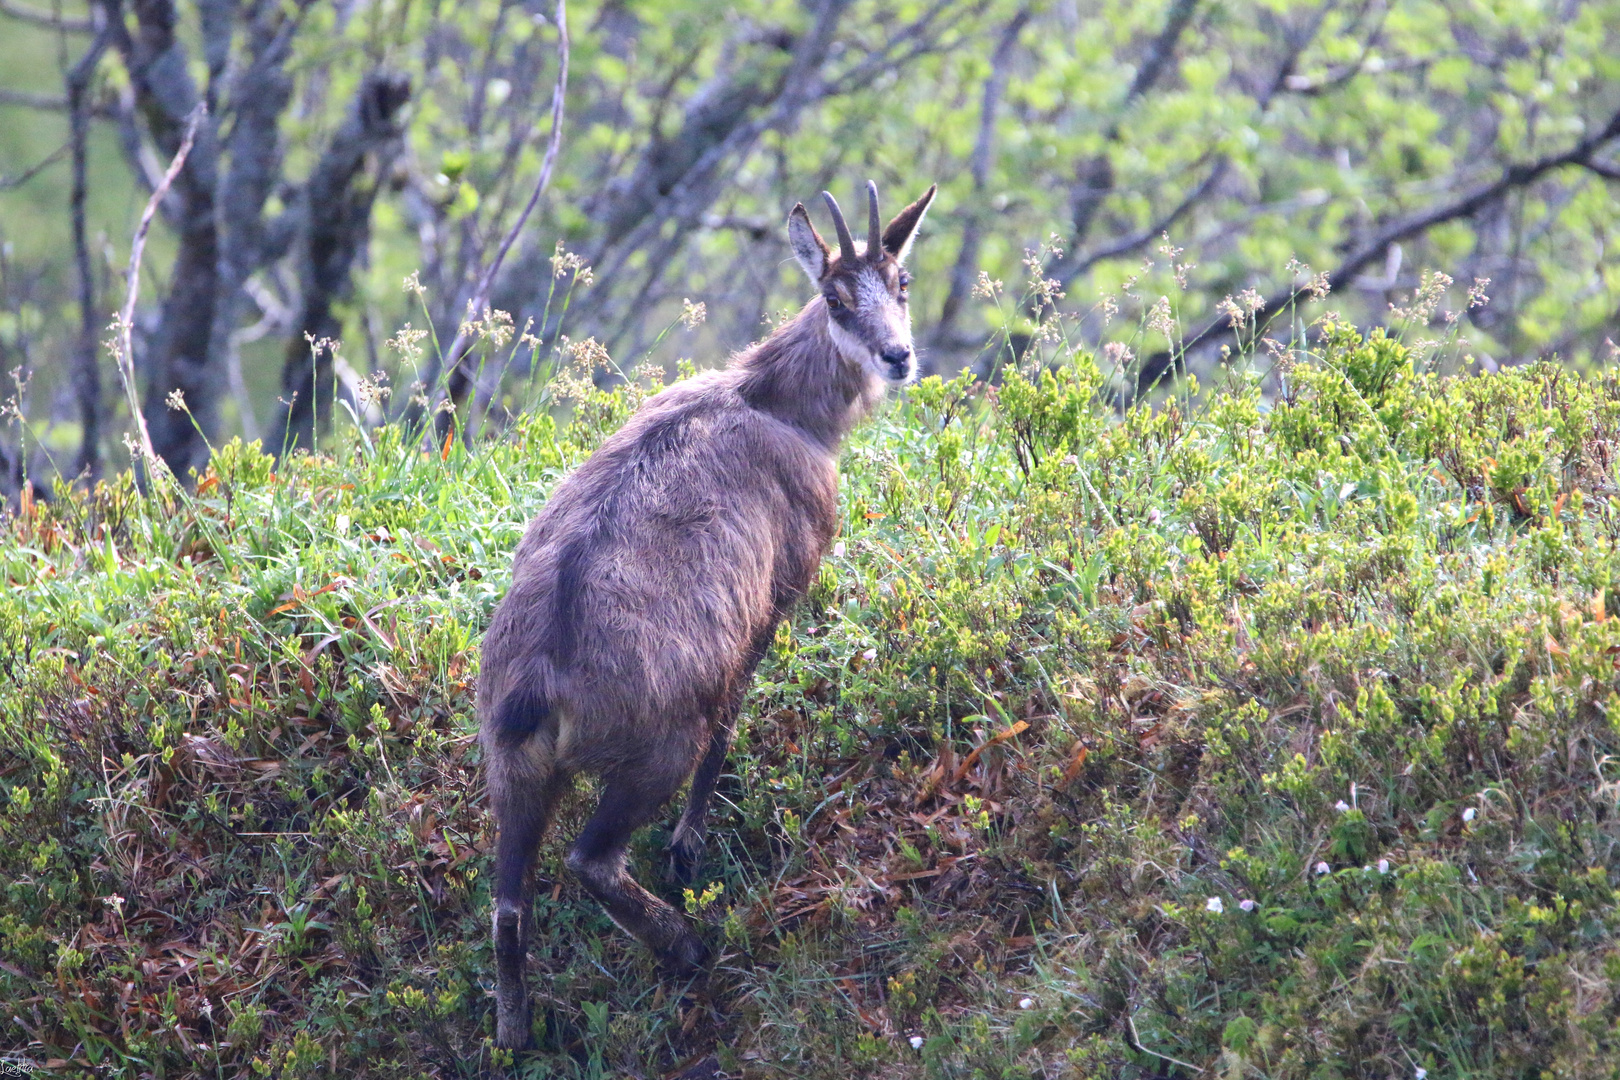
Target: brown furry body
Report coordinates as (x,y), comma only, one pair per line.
(657,570)
(645,592)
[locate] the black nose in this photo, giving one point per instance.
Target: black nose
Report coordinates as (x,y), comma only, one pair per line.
(895,355)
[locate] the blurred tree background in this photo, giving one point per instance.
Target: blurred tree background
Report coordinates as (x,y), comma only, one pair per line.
(348,145)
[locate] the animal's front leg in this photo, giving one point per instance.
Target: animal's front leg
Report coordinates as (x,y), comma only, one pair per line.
(686,842)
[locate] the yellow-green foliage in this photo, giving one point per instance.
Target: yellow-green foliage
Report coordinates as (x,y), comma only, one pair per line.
(1273,730)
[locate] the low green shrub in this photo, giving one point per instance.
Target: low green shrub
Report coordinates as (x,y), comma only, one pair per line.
(1273,730)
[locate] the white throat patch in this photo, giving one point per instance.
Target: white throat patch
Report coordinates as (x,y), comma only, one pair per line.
(850,347)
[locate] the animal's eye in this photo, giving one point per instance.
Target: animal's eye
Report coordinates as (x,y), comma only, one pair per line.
(833,303)
(905,279)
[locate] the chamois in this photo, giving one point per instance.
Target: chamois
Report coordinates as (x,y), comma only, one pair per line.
(647,589)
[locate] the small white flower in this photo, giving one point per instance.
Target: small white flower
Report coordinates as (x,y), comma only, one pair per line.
(1468,814)
(1341,806)
(1154,516)
(1026,1003)
(838,550)
(870,654)
(1383,866)
(1247,905)
(342,524)
(1214,904)
(1322,868)
(917,1041)
(1421,1073)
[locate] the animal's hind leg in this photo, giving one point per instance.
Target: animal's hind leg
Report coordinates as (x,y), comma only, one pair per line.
(629,801)
(522,818)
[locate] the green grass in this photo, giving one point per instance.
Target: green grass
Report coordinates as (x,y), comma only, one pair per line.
(1271,735)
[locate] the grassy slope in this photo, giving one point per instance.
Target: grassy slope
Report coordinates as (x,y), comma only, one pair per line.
(1351,658)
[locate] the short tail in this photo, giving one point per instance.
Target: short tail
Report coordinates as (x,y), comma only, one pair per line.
(520,714)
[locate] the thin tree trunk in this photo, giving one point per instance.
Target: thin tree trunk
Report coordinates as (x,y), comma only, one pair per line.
(337,202)
(86,372)
(259,94)
(178,355)
(967,257)
(1094,176)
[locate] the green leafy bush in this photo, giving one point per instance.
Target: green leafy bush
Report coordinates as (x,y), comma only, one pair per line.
(1270,731)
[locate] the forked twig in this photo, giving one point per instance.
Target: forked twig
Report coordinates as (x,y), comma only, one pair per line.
(486,281)
(123,351)
(1136,1044)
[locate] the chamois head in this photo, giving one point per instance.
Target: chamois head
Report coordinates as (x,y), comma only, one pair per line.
(864,289)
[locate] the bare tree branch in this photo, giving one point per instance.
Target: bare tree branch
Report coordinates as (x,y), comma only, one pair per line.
(1512,178)
(260,89)
(1099,172)
(27,99)
(755,228)
(692,165)
(920,37)
(1136,241)
(1316,85)
(696,188)
(646,216)
(124,351)
(460,380)
(714,115)
(24,13)
(7,183)
(1094,181)
(179,355)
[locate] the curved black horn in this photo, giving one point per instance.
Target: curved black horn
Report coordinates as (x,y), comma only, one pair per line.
(874,229)
(846,243)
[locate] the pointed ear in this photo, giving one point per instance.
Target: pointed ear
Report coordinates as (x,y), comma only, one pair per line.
(808,246)
(897,238)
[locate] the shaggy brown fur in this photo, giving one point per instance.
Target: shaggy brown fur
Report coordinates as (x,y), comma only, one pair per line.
(645,592)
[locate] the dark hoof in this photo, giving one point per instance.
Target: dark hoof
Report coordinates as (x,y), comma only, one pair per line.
(687,957)
(685,857)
